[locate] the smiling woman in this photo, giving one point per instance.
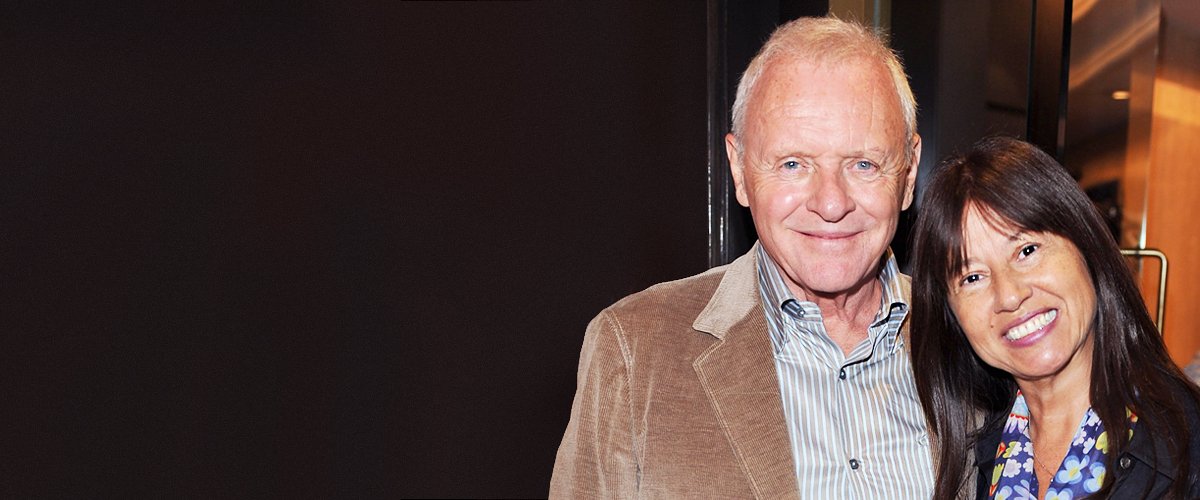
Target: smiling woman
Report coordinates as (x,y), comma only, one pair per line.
(1042,356)
(1026,302)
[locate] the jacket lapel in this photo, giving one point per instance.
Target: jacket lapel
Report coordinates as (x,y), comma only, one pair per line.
(738,375)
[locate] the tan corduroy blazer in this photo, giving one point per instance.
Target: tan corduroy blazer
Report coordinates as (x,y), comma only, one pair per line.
(678,397)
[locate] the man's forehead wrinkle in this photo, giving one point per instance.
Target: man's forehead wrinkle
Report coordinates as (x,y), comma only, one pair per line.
(870,132)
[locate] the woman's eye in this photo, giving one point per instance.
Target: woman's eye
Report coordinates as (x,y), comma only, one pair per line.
(1028,249)
(971,278)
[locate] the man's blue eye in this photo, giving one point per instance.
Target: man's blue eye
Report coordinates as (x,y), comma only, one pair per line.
(791,164)
(864,165)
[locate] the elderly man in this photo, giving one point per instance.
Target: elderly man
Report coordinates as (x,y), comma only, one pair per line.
(784,373)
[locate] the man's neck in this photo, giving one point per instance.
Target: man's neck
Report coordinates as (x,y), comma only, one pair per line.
(847,316)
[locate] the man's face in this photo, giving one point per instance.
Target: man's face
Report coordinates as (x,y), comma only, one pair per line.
(822,167)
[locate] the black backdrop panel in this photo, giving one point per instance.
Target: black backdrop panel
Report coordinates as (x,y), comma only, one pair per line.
(329,249)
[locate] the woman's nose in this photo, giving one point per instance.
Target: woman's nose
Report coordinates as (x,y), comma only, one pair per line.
(1011,291)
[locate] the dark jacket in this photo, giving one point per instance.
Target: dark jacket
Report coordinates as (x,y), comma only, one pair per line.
(1144,469)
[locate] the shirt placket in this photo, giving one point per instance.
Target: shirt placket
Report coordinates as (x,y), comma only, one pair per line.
(840,368)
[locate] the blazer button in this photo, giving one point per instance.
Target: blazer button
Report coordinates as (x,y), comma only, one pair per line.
(1125,462)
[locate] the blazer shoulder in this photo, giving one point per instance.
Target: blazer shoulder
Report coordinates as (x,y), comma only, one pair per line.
(710,303)
(692,292)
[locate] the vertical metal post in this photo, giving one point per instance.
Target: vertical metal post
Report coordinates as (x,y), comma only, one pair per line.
(1048,69)
(719,178)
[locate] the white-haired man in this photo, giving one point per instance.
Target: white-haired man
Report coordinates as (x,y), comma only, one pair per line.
(784,373)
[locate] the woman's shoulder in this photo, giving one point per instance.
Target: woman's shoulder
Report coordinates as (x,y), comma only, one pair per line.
(1187,396)
(1184,397)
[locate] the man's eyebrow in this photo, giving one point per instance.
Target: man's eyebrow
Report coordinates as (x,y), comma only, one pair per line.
(878,150)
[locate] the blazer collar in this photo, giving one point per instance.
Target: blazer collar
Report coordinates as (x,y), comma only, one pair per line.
(738,376)
(737,296)
(1147,448)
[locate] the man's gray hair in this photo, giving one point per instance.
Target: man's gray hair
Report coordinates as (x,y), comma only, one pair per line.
(824,40)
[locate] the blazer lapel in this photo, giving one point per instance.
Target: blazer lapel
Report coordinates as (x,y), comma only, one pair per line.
(738,375)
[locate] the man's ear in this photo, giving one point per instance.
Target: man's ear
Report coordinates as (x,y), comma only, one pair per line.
(735,168)
(910,180)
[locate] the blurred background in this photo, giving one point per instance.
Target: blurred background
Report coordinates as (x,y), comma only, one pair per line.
(349,249)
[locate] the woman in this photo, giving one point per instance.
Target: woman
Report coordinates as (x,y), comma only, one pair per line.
(1039,360)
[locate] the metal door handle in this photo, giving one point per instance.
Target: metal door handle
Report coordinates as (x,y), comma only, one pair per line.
(1162,278)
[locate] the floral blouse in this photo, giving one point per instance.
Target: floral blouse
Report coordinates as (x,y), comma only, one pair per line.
(1080,474)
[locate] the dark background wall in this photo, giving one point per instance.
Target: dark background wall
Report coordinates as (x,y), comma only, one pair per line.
(328,248)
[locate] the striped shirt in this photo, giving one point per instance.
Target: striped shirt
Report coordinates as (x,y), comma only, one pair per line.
(855,423)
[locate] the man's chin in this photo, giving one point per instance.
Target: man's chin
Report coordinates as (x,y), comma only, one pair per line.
(828,279)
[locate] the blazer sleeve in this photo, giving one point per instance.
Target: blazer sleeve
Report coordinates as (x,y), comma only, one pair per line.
(596,458)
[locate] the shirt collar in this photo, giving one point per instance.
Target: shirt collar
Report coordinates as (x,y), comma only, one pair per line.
(782,303)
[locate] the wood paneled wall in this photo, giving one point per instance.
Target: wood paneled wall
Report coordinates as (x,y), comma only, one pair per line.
(1172,191)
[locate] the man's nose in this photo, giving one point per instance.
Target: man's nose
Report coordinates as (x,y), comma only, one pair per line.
(830,198)
(1011,291)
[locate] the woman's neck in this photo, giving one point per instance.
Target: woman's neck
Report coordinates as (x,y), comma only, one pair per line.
(1056,409)
(1058,400)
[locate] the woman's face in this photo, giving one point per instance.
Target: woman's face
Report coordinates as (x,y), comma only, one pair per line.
(1025,300)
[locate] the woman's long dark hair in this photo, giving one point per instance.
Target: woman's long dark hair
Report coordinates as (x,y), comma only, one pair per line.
(1130,367)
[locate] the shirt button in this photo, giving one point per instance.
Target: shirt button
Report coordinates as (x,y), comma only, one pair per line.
(854,463)
(842,374)
(1125,462)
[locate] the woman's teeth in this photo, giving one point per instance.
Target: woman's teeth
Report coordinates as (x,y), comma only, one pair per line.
(1034,324)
